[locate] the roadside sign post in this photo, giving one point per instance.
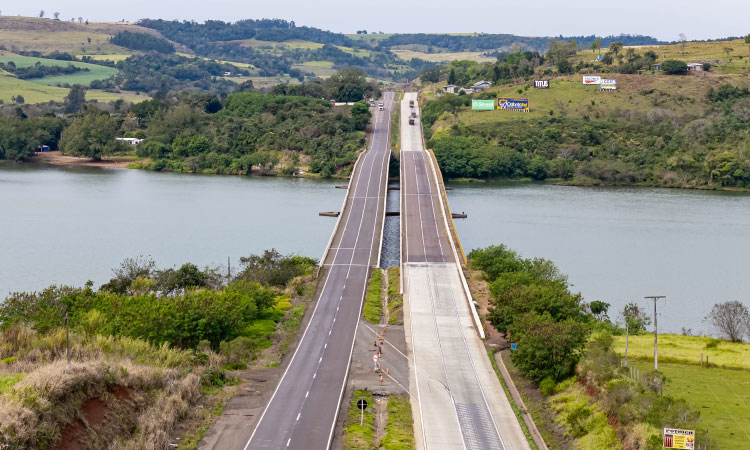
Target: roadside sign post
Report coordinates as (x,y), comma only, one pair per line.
(680,439)
(362,405)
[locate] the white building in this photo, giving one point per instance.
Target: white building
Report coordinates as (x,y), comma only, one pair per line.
(695,67)
(131,141)
(480,85)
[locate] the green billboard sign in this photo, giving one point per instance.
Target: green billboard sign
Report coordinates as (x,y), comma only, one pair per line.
(483,105)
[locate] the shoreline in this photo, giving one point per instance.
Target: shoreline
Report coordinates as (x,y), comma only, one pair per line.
(57,159)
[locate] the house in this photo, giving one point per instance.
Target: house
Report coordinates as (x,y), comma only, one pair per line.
(43,148)
(656,67)
(227,74)
(695,67)
(131,141)
(451,88)
(480,85)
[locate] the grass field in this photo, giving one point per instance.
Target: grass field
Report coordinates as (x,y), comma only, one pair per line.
(321,69)
(725,56)
(688,350)
(721,395)
(407,55)
(681,95)
(96,72)
(39,93)
(112,57)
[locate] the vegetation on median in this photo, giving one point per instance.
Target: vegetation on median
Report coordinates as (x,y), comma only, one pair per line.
(373,308)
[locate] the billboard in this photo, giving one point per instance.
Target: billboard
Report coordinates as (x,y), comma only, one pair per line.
(513,104)
(675,438)
(483,105)
(590,79)
(541,84)
(608,85)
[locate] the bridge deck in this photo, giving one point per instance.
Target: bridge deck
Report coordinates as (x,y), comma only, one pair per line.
(303,410)
(459,401)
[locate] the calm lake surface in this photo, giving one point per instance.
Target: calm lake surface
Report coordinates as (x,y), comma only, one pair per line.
(66,225)
(619,245)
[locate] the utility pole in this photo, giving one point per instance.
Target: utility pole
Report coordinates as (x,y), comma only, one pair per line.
(656,330)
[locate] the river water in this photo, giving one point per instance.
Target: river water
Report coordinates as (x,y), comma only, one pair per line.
(66,225)
(621,244)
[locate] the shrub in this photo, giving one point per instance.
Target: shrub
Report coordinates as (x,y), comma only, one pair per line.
(547,386)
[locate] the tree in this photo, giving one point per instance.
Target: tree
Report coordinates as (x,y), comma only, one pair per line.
(91,136)
(350,85)
(452,76)
(75,99)
(360,115)
(546,347)
(674,67)
(564,66)
(56,15)
(635,320)
(730,319)
(615,47)
(596,45)
(683,43)
(19,99)
(41,14)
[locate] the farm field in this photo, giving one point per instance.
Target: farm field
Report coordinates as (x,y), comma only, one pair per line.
(40,93)
(95,72)
(73,42)
(688,350)
(278,48)
(721,395)
(407,54)
(46,36)
(321,69)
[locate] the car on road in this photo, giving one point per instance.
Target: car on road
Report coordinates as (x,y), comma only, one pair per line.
(381,107)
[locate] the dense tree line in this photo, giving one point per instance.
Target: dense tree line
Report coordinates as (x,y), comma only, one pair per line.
(483,41)
(40,71)
(159,73)
(19,138)
(193,33)
(650,147)
(142,41)
(254,132)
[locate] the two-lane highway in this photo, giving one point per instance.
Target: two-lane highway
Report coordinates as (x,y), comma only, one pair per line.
(458,402)
(303,409)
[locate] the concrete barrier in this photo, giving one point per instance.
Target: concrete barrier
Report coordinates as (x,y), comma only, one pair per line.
(444,207)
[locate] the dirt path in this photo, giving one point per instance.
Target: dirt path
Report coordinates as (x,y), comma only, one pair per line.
(119,162)
(381,416)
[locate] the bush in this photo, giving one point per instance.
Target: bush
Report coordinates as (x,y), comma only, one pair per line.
(546,347)
(674,67)
(547,386)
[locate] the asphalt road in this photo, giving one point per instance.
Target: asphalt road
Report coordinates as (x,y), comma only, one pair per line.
(302,412)
(459,402)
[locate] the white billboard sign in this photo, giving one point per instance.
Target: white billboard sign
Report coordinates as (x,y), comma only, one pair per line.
(590,79)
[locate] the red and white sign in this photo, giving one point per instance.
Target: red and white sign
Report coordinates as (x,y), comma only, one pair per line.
(590,79)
